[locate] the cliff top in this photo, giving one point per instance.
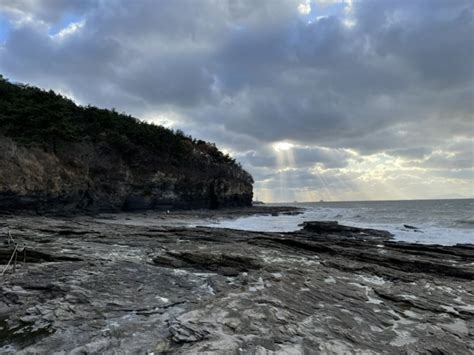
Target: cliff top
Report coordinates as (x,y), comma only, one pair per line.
(35,117)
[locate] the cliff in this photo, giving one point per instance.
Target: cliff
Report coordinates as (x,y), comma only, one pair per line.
(57,156)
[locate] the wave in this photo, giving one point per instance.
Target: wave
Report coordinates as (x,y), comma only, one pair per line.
(465,222)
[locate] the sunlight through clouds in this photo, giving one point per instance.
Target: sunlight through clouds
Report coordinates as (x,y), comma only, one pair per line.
(305,8)
(318,99)
(282,146)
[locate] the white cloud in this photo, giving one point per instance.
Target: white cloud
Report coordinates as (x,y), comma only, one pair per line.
(304,8)
(282,146)
(69,30)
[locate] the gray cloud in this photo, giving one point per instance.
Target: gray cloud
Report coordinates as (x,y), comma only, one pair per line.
(246,74)
(48,11)
(412,153)
(449,160)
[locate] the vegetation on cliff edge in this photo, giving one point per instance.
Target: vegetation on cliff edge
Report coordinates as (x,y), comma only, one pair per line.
(36,117)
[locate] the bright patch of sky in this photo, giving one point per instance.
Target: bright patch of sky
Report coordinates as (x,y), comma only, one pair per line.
(67,20)
(322,9)
(4,29)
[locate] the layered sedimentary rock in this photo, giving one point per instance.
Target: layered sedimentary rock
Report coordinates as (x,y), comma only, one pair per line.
(84,177)
(127,285)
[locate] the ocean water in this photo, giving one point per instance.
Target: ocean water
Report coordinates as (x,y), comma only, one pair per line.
(445,222)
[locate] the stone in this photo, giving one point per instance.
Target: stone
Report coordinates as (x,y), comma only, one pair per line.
(108,284)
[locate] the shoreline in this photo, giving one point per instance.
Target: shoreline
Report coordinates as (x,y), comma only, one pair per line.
(107,283)
(229,212)
(418,226)
(194,218)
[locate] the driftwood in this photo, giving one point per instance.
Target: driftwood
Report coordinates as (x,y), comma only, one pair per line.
(9,255)
(14,255)
(9,261)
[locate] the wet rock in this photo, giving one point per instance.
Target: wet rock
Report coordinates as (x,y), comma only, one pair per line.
(187,333)
(29,255)
(218,262)
(114,285)
(335,227)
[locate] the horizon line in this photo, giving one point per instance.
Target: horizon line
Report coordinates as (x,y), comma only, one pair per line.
(394,200)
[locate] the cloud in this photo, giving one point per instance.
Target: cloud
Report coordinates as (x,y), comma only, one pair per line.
(46,11)
(411,153)
(304,8)
(449,160)
(398,82)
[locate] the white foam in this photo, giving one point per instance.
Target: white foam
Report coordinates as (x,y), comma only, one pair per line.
(330,280)
(370,299)
(257,286)
(376,280)
(433,225)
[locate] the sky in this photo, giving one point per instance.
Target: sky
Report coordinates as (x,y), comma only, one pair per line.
(318,99)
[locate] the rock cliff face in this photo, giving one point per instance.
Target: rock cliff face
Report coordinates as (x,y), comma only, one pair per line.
(56,156)
(84,177)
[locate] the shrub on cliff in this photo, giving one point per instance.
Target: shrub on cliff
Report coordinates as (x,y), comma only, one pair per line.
(35,117)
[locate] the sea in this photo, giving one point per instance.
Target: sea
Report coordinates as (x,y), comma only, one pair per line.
(444,222)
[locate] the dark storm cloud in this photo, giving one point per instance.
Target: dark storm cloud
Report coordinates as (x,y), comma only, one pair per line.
(432,37)
(392,76)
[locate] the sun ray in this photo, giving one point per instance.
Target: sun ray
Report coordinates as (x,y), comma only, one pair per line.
(285,163)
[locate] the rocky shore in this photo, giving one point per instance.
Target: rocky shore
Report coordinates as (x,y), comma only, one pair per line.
(140,284)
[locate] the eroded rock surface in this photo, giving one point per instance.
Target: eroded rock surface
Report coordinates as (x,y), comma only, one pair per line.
(109,287)
(92,178)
